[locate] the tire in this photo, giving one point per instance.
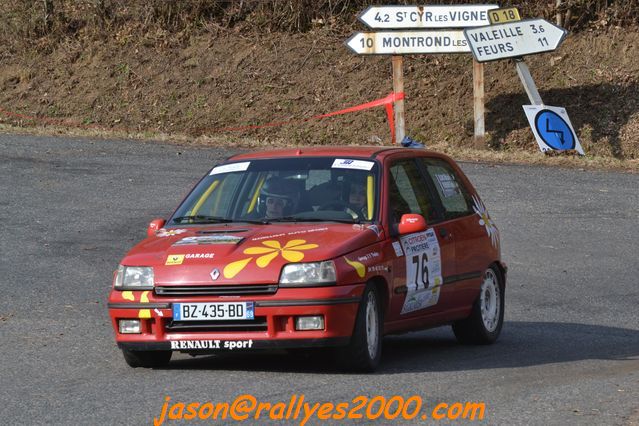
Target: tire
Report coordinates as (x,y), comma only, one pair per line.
(364,350)
(146,359)
(484,324)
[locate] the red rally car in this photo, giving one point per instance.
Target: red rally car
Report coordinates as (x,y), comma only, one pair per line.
(319,247)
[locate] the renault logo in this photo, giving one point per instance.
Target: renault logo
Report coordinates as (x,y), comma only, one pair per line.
(215,274)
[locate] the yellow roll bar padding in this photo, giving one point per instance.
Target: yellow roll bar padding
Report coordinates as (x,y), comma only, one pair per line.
(257,193)
(370,196)
(204,197)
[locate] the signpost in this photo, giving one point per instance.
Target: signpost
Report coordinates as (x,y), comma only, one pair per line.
(514,39)
(448,20)
(408,42)
(441,16)
(552,128)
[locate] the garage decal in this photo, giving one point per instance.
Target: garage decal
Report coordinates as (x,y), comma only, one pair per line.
(423,270)
(174,259)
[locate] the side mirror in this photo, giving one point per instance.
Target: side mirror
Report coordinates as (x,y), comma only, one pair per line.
(154,226)
(412,223)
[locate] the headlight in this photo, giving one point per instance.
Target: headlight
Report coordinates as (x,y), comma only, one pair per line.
(301,274)
(134,278)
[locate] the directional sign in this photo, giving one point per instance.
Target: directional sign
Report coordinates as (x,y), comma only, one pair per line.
(408,42)
(552,128)
(514,39)
(442,16)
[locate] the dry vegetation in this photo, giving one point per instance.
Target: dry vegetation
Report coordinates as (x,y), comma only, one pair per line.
(162,67)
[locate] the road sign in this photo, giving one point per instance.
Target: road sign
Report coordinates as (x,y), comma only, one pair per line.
(501,16)
(408,42)
(441,16)
(552,128)
(514,39)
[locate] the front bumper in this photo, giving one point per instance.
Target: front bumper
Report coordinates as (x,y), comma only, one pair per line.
(274,325)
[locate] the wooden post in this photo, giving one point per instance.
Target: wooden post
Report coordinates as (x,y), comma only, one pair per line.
(558,16)
(48,15)
(398,87)
(528,82)
(479,138)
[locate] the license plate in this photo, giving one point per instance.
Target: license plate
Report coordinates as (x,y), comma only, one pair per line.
(213,311)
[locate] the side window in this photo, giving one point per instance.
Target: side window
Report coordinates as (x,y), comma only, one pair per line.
(455,198)
(408,193)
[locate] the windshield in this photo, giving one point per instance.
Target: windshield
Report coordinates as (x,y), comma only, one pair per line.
(284,190)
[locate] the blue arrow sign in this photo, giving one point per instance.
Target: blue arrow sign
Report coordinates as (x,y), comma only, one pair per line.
(553,130)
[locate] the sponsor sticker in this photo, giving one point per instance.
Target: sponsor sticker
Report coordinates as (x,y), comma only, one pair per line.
(228,168)
(448,185)
(174,259)
(208,239)
(169,232)
(344,163)
(211,344)
(423,270)
(397,246)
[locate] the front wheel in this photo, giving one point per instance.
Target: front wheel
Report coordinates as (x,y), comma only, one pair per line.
(484,324)
(146,359)
(364,351)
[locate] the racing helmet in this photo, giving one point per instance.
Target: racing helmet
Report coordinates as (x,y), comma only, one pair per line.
(277,189)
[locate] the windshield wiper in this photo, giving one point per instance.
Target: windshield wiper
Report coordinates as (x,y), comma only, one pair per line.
(199,218)
(312,219)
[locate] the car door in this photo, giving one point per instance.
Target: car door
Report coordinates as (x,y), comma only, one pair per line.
(422,258)
(456,199)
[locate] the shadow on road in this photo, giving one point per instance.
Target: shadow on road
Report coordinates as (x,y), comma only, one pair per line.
(522,344)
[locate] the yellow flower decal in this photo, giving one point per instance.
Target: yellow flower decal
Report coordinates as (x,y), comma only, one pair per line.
(144,313)
(359,267)
(144,298)
(269,250)
(234,268)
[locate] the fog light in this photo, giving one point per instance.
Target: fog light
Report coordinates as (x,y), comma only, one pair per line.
(129,326)
(309,323)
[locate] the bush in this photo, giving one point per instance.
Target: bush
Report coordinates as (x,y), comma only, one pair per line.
(28,20)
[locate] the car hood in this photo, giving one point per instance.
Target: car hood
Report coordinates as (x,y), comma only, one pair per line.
(235,254)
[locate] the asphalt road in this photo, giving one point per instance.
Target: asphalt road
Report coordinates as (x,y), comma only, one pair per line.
(71,208)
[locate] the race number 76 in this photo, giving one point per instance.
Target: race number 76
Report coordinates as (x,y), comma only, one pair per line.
(421,270)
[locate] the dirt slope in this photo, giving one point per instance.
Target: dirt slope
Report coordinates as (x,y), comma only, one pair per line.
(157,84)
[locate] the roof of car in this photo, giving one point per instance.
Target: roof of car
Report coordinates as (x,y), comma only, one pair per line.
(322,151)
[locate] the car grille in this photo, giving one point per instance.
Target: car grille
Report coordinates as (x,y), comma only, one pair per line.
(217,290)
(256,324)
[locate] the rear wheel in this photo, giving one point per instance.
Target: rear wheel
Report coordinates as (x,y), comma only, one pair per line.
(484,323)
(364,351)
(146,359)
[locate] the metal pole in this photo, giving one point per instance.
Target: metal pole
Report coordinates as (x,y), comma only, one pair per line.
(478,104)
(528,82)
(398,87)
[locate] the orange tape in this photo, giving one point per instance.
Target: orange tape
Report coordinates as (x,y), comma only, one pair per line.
(387,102)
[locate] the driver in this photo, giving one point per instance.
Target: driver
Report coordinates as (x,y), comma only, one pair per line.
(276,199)
(357,200)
